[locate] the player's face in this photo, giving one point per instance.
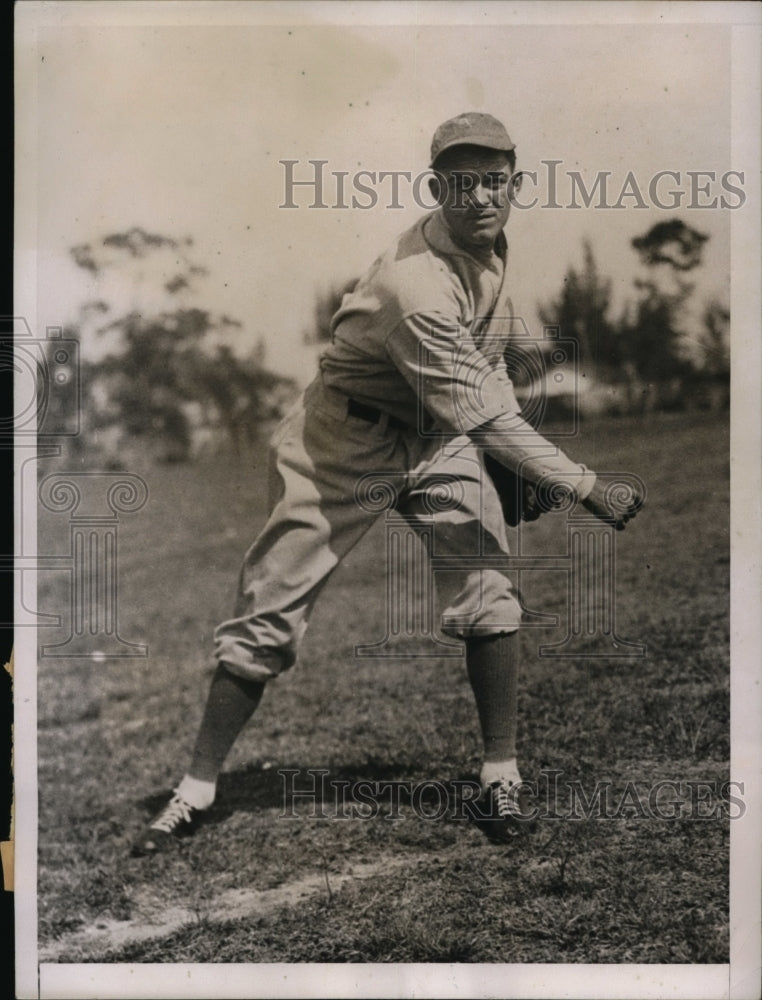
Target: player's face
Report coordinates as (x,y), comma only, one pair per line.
(476,203)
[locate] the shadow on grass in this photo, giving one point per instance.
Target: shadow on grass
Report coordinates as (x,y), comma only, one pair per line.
(251,789)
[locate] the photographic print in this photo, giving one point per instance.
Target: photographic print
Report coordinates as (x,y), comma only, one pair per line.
(387,443)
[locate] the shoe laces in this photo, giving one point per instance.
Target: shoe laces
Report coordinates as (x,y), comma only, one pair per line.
(504,795)
(178,811)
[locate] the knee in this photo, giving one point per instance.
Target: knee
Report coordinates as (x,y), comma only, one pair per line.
(487,606)
(249,671)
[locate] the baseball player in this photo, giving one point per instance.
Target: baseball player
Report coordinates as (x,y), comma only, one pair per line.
(408,395)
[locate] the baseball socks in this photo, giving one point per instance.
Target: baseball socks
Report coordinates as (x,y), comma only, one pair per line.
(503,810)
(493,674)
(229,706)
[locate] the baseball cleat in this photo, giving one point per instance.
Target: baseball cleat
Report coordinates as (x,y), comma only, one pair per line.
(503,811)
(177,819)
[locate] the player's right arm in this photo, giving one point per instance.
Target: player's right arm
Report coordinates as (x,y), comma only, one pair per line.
(466,394)
(515,444)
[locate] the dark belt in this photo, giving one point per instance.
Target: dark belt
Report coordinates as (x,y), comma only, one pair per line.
(372,415)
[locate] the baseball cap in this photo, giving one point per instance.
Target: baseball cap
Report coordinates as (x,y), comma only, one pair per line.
(472,128)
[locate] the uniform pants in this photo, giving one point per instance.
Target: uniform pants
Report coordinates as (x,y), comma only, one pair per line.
(332,475)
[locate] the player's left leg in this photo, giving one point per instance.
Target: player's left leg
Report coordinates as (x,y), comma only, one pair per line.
(493,673)
(479,606)
(504,808)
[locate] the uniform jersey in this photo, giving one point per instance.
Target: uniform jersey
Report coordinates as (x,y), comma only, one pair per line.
(414,328)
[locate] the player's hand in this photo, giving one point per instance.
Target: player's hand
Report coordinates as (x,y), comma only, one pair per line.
(602,502)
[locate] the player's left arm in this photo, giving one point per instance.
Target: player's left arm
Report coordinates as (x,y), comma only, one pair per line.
(514,443)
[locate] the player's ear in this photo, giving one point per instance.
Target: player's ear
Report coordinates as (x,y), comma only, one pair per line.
(438,187)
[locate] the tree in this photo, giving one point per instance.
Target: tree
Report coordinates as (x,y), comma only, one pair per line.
(155,372)
(243,393)
(709,380)
(652,339)
(673,243)
(714,341)
(655,338)
(645,348)
(162,363)
(582,311)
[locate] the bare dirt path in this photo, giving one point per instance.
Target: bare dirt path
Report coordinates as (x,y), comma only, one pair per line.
(90,943)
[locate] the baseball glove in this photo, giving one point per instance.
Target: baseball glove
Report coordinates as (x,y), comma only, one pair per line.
(518,497)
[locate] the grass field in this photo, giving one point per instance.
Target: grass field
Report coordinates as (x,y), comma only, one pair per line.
(256,886)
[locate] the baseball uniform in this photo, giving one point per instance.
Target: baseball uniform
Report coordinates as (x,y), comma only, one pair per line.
(411,372)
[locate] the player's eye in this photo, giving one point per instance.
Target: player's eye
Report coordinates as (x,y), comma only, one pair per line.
(495,179)
(464,181)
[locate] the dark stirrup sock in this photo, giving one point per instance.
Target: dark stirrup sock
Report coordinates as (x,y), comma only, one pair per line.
(229,706)
(493,673)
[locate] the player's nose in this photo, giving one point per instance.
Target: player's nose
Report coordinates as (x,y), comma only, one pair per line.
(482,196)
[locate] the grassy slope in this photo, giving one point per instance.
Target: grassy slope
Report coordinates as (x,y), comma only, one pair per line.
(604,891)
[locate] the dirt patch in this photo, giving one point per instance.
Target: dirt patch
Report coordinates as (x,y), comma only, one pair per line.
(91,942)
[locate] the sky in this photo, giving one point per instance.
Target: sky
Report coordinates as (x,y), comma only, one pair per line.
(180,128)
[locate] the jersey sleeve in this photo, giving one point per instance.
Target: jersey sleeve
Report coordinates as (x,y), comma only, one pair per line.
(519,447)
(456,383)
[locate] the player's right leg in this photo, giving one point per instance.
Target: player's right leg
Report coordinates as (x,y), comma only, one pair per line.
(318,458)
(230,704)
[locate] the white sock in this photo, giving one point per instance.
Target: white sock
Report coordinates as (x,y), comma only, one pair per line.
(500,770)
(197,793)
